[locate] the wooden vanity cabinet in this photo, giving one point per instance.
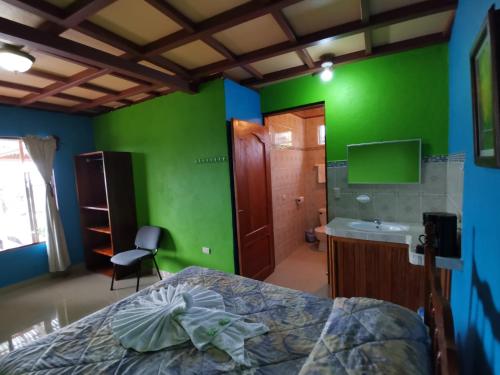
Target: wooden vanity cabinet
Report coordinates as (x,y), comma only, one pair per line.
(380,270)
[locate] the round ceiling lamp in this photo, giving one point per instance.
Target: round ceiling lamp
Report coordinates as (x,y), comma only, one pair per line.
(326,74)
(15,60)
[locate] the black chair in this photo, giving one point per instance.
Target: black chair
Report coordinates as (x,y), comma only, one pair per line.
(146,242)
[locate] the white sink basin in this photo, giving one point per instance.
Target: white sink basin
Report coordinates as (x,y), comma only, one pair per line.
(370,226)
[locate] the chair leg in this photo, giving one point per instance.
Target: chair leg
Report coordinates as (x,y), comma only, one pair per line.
(138,276)
(113,276)
(157,269)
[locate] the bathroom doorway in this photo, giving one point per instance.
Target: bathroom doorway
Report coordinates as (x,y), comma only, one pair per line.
(299,197)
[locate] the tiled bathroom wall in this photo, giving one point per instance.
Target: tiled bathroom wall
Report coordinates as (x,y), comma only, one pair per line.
(441,181)
(455,183)
(315,193)
(294,154)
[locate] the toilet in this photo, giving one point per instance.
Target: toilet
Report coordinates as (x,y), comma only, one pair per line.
(320,231)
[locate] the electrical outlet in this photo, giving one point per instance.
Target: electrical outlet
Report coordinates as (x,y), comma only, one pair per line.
(205,250)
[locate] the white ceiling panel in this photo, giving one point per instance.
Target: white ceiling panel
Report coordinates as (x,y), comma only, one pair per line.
(277,63)
(199,10)
(435,23)
(379,6)
(252,35)
(338,47)
(312,15)
(193,55)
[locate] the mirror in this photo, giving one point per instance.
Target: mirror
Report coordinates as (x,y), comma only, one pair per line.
(391,162)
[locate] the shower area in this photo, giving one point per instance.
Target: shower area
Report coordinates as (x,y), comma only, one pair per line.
(298,180)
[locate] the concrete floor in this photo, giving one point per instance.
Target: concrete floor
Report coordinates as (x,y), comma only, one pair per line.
(34,309)
(304,269)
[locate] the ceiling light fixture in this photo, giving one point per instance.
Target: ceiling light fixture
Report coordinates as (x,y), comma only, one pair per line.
(15,60)
(327,65)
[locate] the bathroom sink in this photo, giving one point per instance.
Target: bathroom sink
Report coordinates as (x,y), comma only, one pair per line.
(383,226)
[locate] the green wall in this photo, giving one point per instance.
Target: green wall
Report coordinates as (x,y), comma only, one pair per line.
(192,201)
(393,97)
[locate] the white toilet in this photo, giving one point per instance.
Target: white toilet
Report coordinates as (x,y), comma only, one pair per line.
(320,231)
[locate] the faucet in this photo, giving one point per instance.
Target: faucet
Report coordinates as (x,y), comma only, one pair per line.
(377,221)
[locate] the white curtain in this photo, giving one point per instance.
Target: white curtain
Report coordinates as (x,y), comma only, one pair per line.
(42,152)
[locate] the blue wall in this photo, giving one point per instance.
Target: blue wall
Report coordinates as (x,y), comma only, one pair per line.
(242,103)
(75,133)
(476,290)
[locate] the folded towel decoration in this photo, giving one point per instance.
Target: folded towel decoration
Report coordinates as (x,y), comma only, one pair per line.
(174,315)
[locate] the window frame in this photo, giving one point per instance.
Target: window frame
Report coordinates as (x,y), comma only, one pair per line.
(322,137)
(29,199)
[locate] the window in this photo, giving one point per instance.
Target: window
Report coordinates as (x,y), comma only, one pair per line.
(283,139)
(321,135)
(22,197)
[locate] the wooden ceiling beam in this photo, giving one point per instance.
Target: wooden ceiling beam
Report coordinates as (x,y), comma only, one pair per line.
(57,78)
(57,87)
(391,17)
(112,98)
(76,13)
(42,9)
(174,14)
(292,37)
(40,105)
(365,18)
(210,26)
(398,47)
(104,35)
(133,50)
(305,57)
(38,90)
(449,26)
(65,17)
(189,26)
(284,25)
(82,9)
(254,72)
(43,41)
(19,86)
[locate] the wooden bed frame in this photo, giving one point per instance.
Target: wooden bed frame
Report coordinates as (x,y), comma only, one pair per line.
(438,316)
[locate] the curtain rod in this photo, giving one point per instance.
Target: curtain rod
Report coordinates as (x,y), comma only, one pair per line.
(58,140)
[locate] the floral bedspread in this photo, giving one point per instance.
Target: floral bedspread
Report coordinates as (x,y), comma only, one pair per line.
(357,336)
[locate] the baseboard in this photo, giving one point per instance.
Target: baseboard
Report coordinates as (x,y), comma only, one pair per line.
(77,268)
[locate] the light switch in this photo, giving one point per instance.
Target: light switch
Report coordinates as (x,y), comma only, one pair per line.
(205,250)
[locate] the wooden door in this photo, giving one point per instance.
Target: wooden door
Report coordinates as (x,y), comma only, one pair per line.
(253,200)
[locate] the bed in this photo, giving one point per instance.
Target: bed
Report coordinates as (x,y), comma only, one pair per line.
(308,335)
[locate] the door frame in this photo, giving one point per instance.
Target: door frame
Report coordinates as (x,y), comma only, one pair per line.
(232,177)
(234,197)
(298,108)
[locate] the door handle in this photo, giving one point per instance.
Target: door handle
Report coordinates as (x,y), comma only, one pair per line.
(241,211)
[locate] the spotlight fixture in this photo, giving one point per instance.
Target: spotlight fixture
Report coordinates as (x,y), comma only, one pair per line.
(327,65)
(15,60)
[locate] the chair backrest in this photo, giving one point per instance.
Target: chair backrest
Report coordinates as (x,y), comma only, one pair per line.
(147,238)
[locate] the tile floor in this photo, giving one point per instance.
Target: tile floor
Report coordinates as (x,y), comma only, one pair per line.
(38,308)
(304,269)
(32,310)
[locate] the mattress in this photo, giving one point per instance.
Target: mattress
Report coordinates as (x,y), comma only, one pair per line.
(307,334)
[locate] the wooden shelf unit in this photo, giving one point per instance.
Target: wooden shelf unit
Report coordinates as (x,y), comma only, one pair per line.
(101,207)
(105,189)
(105,250)
(104,229)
